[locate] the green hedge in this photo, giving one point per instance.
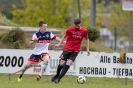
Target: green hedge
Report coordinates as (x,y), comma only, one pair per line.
(93,33)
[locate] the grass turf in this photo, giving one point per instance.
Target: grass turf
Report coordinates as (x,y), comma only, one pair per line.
(67,82)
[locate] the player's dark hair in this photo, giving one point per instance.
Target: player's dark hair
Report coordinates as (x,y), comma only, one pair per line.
(77,21)
(41,23)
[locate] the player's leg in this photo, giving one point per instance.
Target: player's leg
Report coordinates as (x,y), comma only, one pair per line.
(60,66)
(34,59)
(28,64)
(64,65)
(71,59)
(45,58)
(64,70)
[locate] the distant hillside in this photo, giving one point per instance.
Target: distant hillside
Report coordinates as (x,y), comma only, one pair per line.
(6,6)
(5,21)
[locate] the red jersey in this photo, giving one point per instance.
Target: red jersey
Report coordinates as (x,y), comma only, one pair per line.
(74,38)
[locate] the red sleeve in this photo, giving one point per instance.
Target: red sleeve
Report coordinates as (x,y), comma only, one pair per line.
(86,34)
(68,32)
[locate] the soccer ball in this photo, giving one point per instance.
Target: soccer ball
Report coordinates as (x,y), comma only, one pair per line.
(81,79)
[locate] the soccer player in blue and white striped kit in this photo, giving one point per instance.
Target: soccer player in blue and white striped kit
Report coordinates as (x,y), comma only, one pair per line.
(42,39)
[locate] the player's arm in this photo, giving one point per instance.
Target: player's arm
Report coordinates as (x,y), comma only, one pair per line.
(87,42)
(61,41)
(34,39)
(87,46)
(55,37)
(58,39)
(63,38)
(31,42)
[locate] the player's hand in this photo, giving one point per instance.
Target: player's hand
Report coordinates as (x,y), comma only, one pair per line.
(33,41)
(88,52)
(36,39)
(56,46)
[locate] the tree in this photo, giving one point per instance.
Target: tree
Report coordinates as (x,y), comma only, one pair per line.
(56,12)
(116,18)
(6,7)
(112,16)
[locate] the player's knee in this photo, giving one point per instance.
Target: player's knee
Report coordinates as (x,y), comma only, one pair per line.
(46,61)
(69,62)
(62,63)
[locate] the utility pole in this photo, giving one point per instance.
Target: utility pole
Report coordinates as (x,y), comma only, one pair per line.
(72,12)
(79,11)
(130,33)
(93,13)
(115,40)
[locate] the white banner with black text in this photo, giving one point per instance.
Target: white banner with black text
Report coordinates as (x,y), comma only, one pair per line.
(98,64)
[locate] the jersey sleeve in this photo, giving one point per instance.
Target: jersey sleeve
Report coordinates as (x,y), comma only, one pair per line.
(33,37)
(67,32)
(52,36)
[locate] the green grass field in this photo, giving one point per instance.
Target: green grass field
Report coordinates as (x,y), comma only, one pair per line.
(67,82)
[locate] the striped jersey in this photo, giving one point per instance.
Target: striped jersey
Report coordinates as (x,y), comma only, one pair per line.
(43,42)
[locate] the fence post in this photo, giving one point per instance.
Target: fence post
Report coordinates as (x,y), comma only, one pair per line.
(9,77)
(46,78)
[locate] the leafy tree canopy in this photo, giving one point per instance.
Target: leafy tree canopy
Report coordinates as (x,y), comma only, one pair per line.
(57,13)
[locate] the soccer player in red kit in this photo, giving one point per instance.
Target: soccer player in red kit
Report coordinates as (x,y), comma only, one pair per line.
(74,36)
